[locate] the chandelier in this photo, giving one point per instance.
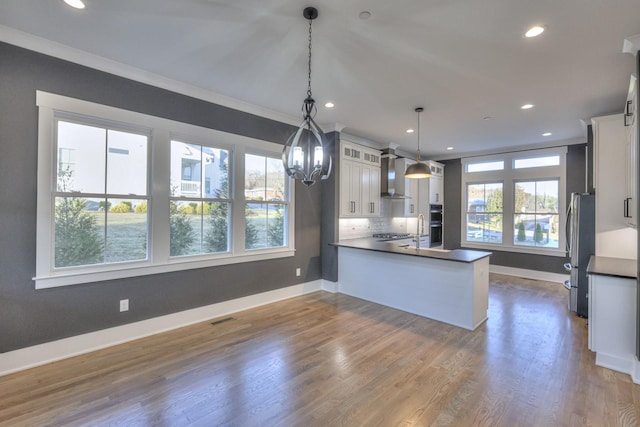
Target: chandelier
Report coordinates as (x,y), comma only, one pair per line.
(305,156)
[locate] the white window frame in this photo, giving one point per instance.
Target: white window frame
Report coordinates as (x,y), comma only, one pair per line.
(161,131)
(509,176)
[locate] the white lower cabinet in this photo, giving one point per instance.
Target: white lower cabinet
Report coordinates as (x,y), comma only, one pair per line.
(612,321)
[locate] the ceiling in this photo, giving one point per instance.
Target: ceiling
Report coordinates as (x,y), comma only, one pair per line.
(461,60)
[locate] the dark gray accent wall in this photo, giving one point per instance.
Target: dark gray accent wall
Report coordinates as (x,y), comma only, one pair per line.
(330,213)
(453,210)
(29,316)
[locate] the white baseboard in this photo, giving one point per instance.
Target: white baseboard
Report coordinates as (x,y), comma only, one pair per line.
(529,274)
(18,360)
(626,365)
(329,286)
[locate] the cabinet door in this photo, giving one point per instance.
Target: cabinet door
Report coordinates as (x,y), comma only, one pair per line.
(350,188)
(424,188)
(631,124)
(411,205)
(365,179)
(435,195)
(372,205)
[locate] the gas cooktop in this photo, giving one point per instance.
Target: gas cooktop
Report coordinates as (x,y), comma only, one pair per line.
(391,236)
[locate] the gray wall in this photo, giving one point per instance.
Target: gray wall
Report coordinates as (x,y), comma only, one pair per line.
(29,316)
(452,193)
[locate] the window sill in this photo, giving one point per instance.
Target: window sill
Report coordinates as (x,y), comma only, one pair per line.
(121,271)
(516,249)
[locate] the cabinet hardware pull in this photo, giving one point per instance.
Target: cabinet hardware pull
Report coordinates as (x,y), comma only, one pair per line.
(626,207)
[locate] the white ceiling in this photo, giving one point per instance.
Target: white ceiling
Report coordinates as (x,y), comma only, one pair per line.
(462,60)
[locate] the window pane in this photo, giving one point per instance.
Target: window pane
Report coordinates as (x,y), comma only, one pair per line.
(547,197)
(199,171)
(536,162)
(255,179)
(485,166)
(484,213)
(186,168)
(126,231)
(536,219)
(126,163)
(185,222)
(87,143)
(79,232)
(536,230)
(216,227)
(275,179)
(525,197)
(216,176)
(265,225)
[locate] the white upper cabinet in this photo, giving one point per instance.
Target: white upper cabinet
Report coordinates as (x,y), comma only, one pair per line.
(631,125)
(614,237)
(359,180)
(436,183)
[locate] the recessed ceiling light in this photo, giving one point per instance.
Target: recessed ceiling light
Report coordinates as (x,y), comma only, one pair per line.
(547,134)
(329,105)
(527,106)
(409,130)
(365,14)
(78,4)
(534,31)
(449,148)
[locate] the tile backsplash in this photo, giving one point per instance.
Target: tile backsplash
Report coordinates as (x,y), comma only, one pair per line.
(355,228)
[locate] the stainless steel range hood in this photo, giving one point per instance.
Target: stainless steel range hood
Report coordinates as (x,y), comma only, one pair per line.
(388,174)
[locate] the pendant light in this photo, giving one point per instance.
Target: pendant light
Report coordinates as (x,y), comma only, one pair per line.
(418,170)
(305,156)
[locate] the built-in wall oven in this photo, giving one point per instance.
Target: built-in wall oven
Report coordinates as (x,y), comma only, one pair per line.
(435,226)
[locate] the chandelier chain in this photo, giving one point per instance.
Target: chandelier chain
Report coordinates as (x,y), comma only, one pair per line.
(309,87)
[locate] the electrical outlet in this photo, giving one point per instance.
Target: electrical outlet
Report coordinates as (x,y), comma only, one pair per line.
(298,272)
(124,305)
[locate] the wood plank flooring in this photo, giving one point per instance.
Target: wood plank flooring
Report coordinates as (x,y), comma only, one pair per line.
(333,360)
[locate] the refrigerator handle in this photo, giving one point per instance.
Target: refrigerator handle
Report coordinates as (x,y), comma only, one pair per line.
(567,228)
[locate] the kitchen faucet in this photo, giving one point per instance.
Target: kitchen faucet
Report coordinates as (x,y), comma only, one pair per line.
(418,234)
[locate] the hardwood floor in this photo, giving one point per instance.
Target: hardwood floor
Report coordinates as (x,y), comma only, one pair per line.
(328,359)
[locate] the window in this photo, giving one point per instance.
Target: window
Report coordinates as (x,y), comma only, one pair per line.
(485,166)
(124,194)
(513,201)
(536,214)
(536,162)
(199,213)
(484,212)
(266,207)
(96,219)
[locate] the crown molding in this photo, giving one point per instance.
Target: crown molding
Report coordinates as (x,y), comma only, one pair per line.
(48,47)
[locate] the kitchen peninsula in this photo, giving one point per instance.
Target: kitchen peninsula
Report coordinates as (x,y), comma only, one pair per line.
(450,286)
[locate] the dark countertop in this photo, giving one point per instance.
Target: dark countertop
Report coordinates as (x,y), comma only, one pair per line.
(394,247)
(615,267)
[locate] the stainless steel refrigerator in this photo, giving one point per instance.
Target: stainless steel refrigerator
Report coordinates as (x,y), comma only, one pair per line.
(581,245)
